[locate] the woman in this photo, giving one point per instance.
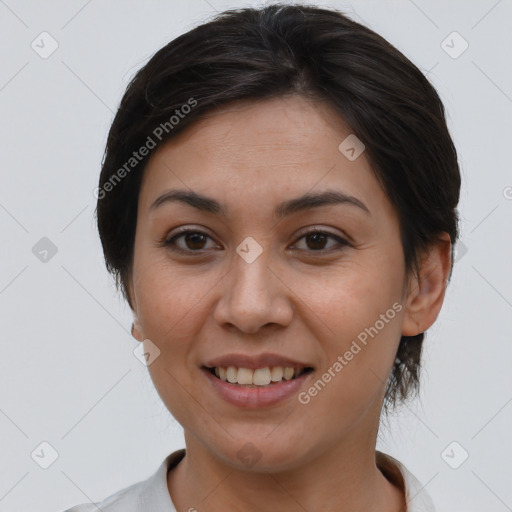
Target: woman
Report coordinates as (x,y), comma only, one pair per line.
(278,205)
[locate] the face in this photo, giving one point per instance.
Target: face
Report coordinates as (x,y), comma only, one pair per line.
(259,281)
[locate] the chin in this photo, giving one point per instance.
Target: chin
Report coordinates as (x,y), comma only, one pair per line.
(260,454)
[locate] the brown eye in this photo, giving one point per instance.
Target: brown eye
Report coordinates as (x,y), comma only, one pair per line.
(193,241)
(316,241)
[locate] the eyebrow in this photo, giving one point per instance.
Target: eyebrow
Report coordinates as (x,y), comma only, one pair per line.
(285,209)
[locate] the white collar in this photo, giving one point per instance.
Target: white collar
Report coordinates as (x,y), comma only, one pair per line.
(416,498)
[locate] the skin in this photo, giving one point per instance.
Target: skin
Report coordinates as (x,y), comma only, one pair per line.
(293,300)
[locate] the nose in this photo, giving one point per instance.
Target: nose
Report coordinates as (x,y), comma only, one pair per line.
(253,295)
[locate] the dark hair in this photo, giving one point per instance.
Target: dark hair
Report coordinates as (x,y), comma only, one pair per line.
(254,54)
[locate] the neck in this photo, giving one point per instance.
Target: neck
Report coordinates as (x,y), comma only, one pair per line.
(339,480)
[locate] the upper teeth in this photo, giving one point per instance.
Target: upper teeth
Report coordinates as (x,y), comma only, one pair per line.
(258,377)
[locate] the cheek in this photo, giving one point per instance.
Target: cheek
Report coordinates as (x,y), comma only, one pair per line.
(167,297)
(169,305)
(350,298)
(360,311)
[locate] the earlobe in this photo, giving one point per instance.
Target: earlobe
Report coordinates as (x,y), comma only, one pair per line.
(136,328)
(427,291)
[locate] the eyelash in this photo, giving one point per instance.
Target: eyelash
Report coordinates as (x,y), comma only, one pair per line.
(170,242)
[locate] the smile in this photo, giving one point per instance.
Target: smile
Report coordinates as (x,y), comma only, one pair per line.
(256,396)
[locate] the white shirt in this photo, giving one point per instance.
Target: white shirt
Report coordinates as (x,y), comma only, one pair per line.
(152,495)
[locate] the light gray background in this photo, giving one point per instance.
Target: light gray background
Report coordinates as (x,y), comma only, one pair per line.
(67,372)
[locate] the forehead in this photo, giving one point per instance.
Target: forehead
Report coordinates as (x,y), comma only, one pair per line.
(263,151)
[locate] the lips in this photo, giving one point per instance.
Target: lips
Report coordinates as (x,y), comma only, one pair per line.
(256,381)
(256,396)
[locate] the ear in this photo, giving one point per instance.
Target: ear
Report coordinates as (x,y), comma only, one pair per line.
(136,327)
(426,294)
